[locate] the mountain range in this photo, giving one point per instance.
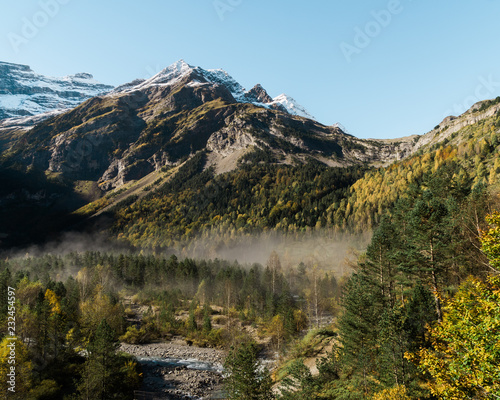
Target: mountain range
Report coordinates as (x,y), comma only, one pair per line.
(145,125)
(26,93)
(83,149)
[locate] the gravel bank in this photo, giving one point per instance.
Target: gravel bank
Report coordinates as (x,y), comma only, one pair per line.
(178,382)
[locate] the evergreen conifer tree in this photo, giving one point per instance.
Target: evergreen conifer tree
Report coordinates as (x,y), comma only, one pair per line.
(246,379)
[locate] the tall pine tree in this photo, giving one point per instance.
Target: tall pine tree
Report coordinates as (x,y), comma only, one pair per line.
(99,371)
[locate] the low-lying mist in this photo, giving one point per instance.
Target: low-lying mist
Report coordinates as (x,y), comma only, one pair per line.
(70,242)
(330,251)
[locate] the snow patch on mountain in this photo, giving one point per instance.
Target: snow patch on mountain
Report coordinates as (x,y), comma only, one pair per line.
(291,106)
(223,78)
(25,93)
(167,77)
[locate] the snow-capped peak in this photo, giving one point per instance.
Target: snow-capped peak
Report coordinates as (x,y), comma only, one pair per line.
(177,71)
(168,75)
(178,68)
(174,73)
(221,77)
(291,106)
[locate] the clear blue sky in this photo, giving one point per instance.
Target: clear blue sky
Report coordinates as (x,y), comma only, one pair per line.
(424,58)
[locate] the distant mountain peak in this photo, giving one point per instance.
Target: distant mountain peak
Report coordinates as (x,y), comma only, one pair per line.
(4,66)
(259,95)
(26,93)
(179,67)
(167,76)
(181,63)
(81,75)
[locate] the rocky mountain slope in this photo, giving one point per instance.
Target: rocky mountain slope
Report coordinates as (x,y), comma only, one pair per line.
(451,125)
(25,93)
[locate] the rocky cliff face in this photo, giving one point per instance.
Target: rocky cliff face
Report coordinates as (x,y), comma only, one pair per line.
(450,125)
(259,95)
(26,93)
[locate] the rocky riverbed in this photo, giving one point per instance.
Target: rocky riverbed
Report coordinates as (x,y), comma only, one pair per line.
(177,371)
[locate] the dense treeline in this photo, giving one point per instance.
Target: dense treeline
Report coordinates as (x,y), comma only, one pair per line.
(253,198)
(253,288)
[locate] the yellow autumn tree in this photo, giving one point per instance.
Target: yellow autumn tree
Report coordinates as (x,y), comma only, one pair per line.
(277,330)
(464,360)
(490,241)
(100,307)
(397,392)
(54,302)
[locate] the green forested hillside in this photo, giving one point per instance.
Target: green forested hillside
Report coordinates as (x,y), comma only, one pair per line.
(390,339)
(264,194)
